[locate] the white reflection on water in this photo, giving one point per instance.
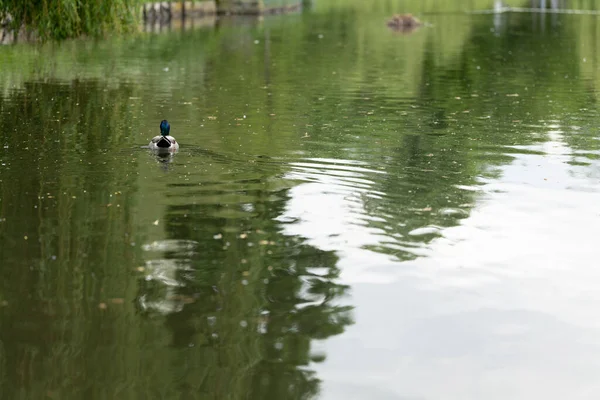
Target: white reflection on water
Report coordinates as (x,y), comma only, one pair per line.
(164,275)
(505,305)
(330,214)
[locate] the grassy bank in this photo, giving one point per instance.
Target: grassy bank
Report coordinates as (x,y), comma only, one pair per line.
(59,19)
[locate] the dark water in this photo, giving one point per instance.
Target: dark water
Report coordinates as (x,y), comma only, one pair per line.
(353,213)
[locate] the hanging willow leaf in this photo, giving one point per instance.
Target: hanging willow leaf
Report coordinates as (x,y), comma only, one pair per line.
(60,19)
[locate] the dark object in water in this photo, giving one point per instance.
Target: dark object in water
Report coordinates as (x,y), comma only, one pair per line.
(403,22)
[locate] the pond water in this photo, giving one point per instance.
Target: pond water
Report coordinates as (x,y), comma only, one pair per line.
(353,213)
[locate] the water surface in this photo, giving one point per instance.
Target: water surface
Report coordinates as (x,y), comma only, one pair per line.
(353,213)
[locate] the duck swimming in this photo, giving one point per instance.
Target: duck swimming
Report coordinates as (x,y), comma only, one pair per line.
(403,22)
(164,141)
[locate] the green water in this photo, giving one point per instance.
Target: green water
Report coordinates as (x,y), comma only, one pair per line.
(353,212)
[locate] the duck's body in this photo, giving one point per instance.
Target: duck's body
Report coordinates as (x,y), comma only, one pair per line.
(403,22)
(164,141)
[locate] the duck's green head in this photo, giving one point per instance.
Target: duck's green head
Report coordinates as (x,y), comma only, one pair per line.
(165,128)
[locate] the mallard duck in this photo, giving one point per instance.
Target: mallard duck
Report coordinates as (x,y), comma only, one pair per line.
(164,141)
(403,22)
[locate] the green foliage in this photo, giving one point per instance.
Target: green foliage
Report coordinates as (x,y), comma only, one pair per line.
(60,19)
